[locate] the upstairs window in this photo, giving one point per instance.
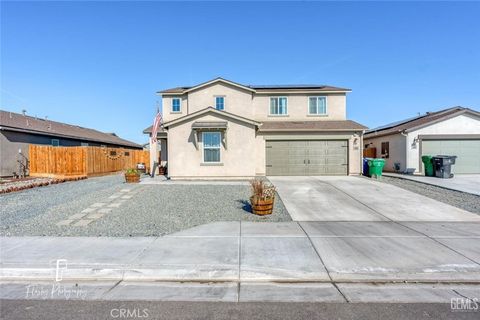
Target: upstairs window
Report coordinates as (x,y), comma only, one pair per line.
(220,103)
(317,105)
(278,106)
(211,146)
(55,142)
(176,104)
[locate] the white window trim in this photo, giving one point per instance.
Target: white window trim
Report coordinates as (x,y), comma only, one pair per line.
(58,142)
(219,148)
(317,114)
(171,109)
(270,107)
(224,102)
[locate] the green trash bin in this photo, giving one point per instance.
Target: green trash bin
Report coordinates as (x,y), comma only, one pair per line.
(376,167)
(428,163)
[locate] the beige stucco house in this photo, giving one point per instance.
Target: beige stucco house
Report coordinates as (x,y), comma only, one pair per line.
(452,131)
(222,129)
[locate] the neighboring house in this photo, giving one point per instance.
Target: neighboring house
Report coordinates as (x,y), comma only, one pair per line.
(453,131)
(17,131)
(222,129)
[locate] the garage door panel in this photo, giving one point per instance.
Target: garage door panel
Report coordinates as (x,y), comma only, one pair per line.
(309,157)
(467,152)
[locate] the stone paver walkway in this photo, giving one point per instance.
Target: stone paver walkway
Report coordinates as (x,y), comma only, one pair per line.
(98,209)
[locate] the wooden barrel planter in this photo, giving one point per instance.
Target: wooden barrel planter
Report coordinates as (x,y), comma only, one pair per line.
(261,206)
(132,178)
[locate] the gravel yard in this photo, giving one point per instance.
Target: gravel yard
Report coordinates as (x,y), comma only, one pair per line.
(113,208)
(462,200)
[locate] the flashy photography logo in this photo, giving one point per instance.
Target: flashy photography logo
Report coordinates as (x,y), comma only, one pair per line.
(61,267)
(464,304)
(56,290)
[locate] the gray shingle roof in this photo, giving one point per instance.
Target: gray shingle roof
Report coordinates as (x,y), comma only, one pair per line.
(324,125)
(419,121)
(19,122)
(316,87)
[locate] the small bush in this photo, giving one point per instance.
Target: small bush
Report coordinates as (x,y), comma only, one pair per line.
(132,171)
(261,189)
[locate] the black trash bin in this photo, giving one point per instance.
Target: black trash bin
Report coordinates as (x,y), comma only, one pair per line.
(443,166)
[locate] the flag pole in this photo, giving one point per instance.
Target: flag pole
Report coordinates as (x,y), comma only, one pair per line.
(153,145)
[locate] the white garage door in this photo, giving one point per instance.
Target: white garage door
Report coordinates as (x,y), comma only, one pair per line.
(467,152)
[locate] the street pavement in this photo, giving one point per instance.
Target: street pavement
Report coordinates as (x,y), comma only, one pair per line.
(93,310)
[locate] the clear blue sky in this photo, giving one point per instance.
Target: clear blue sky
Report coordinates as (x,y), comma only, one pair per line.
(99,64)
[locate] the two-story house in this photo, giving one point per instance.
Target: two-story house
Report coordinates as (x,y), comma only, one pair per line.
(222,129)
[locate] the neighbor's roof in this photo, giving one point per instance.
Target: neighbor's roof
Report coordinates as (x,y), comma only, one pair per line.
(325,125)
(18,122)
(421,121)
(259,88)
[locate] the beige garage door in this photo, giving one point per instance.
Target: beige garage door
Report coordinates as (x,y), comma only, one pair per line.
(467,152)
(307,157)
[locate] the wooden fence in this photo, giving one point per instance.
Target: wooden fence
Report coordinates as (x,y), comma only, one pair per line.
(370,153)
(82,161)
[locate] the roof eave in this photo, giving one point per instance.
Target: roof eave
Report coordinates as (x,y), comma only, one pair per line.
(319,91)
(309,130)
(161,93)
(55,134)
(450,116)
(380,134)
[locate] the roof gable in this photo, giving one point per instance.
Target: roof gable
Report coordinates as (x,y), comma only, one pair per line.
(418,122)
(213,111)
(183,90)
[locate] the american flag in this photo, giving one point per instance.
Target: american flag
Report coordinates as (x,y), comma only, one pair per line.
(157,122)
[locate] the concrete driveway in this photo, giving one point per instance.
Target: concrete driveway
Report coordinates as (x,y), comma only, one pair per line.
(359,199)
(461,182)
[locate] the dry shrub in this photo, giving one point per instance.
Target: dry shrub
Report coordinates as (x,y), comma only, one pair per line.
(261,189)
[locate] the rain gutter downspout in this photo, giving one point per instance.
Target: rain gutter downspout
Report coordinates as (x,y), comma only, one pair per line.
(406,149)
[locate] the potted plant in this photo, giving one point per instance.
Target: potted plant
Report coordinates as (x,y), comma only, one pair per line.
(132,176)
(263,197)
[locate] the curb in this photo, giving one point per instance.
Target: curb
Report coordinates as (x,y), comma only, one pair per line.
(222,276)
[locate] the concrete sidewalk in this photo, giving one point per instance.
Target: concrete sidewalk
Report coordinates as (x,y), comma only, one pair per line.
(468,183)
(319,252)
